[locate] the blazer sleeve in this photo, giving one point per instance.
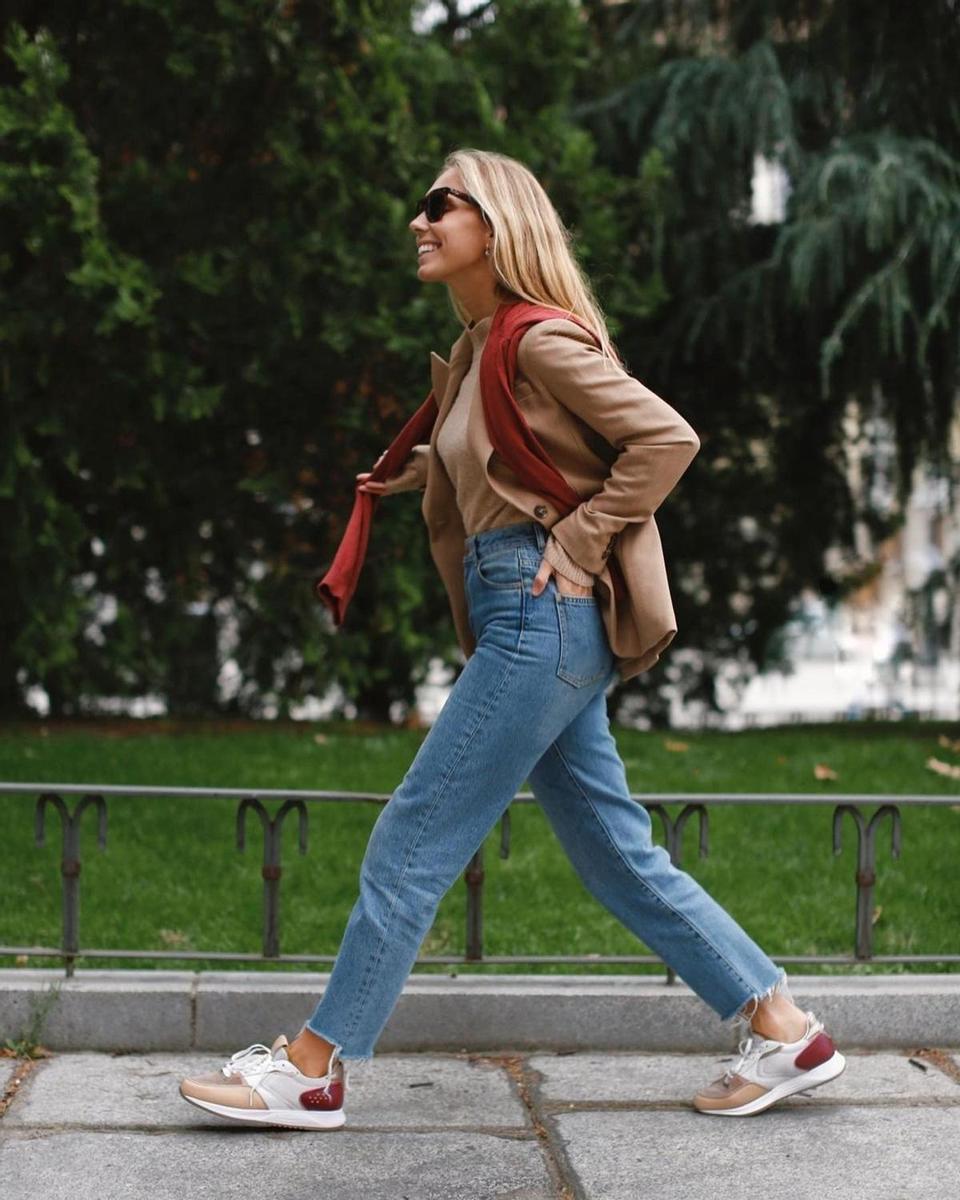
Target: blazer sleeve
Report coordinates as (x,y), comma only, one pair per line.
(413,475)
(655,444)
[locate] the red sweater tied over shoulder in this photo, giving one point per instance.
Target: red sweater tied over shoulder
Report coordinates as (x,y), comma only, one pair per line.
(509,434)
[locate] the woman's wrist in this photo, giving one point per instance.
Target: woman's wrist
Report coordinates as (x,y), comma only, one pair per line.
(564,565)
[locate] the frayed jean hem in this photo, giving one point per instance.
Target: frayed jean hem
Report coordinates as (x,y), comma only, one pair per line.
(337,1053)
(753,1001)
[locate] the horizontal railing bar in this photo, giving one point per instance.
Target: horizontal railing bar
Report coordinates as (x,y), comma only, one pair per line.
(115,789)
(451,960)
(110,789)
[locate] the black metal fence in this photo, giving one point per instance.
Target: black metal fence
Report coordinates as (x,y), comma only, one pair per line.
(55,798)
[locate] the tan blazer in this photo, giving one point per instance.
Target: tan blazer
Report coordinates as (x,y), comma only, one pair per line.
(617,444)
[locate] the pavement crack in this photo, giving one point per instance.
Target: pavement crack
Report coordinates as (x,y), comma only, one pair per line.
(505,1132)
(23,1070)
(526,1082)
(940,1059)
(797,1100)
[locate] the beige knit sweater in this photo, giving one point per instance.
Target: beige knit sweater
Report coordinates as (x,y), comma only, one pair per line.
(480,506)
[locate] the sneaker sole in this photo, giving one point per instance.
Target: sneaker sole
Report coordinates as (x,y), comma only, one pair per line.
(289,1118)
(814,1078)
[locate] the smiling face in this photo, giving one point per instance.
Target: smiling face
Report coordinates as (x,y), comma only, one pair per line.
(459,239)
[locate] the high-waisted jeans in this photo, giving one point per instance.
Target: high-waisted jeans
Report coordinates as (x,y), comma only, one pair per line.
(530,704)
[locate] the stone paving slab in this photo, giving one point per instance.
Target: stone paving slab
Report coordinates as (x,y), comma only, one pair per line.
(279,1164)
(94,1126)
(863,1154)
(676,1077)
(115,1091)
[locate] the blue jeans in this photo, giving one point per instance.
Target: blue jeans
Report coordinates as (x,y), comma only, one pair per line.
(530,704)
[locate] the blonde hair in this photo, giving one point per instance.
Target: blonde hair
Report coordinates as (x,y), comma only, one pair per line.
(531,255)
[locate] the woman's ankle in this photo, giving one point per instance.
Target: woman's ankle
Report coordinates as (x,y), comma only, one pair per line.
(310,1053)
(779,1020)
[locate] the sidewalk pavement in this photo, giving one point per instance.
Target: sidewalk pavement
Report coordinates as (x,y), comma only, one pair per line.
(504,1125)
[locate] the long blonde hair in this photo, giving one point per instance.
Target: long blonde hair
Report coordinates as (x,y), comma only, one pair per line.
(532,256)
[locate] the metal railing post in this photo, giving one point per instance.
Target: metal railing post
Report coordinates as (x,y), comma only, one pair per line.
(673,832)
(474,877)
(866,875)
(271,871)
(70,863)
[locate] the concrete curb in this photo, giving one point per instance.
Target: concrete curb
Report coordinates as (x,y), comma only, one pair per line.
(173,1010)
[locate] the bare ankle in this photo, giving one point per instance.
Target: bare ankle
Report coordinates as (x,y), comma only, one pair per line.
(779,1020)
(310,1053)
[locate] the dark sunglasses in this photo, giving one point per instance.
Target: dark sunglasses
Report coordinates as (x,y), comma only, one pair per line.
(435,203)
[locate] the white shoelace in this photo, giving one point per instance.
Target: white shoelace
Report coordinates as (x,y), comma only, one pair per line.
(256,1061)
(752,1047)
(748,1052)
(253,1058)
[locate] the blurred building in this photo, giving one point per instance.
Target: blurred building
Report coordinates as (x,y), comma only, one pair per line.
(891,647)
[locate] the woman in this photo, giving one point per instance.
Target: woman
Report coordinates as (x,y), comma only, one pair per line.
(545,629)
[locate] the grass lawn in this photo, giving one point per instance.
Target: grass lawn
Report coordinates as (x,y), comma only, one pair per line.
(172,878)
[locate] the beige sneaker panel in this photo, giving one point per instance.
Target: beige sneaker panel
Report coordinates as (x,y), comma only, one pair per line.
(230,1095)
(215,1079)
(728,1095)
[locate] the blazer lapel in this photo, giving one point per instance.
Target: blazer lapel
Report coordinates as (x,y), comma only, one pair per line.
(449,376)
(439,371)
(445,378)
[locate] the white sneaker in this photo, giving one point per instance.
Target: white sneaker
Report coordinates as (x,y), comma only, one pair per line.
(261,1086)
(766,1071)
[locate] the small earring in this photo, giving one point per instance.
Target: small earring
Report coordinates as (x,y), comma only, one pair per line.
(486,252)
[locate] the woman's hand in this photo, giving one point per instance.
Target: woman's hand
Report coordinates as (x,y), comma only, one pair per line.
(568,588)
(377,486)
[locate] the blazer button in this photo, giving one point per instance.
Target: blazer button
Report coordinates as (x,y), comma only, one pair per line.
(540,511)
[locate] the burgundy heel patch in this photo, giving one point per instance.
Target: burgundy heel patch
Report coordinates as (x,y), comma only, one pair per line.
(323,1099)
(819,1050)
